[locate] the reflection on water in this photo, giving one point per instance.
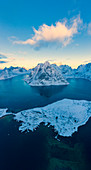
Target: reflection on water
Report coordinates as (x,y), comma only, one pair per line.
(49,91)
(18,95)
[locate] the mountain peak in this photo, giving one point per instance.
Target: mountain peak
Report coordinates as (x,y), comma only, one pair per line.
(44,74)
(46,63)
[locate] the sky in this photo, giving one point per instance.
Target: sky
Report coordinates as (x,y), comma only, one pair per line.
(35,31)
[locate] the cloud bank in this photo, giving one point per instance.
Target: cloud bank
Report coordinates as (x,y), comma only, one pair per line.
(2,62)
(2,56)
(61,32)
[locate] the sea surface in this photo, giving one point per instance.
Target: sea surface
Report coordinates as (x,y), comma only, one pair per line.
(39,150)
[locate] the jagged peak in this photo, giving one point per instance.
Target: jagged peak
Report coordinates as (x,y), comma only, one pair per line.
(45,74)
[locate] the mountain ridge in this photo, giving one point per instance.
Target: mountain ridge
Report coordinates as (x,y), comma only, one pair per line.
(82,71)
(11,72)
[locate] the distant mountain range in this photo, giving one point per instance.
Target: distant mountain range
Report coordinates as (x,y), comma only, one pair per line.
(48,74)
(83,71)
(10,72)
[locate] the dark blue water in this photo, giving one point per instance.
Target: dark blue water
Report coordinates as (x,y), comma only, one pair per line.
(32,151)
(18,95)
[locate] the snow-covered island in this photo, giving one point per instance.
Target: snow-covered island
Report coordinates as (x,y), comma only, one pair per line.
(10,72)
(65,116)
(3,112)
(45,75)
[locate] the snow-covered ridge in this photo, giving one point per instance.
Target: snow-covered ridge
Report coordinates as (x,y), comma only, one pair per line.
(83,71)
(10,72)
(45,75)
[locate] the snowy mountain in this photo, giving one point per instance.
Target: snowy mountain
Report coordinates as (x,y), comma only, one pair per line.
(10,72)
(66,70)
(45,75)
(83,71)
(48,74)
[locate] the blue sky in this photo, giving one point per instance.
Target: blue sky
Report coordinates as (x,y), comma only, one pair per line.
(40,30)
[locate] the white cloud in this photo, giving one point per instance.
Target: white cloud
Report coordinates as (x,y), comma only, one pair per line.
(61,32)
(89,28)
